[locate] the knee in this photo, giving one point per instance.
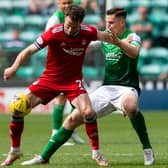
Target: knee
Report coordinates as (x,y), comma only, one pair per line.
(130,105)
(130,109)
(89,113)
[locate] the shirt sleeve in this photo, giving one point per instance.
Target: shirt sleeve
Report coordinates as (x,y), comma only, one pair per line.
(95,44)
(44,39)
(136,40)
(93,33)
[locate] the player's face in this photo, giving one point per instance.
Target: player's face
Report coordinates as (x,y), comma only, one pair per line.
(62,4)
(114,24)
(71,27)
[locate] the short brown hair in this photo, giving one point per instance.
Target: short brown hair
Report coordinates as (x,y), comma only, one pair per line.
(117,11)
(76,13)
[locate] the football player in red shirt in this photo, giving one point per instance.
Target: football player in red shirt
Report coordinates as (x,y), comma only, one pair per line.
(67,44)
(60,101)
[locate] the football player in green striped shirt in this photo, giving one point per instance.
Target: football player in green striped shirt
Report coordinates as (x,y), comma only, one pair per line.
(121,83)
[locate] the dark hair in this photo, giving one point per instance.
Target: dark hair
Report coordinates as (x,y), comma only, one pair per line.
(117,11)
(76,13)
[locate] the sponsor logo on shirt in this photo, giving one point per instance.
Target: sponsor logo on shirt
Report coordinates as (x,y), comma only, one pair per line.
(112,56)
(74,51)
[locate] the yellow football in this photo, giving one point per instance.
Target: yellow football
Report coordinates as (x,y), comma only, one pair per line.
(20,105)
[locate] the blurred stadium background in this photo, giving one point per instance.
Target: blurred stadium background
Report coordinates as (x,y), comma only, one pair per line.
(14,15)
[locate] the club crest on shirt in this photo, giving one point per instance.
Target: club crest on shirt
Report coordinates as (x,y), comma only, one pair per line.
(84,42)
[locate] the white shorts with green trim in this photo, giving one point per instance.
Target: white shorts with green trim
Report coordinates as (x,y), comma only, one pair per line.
(107,99)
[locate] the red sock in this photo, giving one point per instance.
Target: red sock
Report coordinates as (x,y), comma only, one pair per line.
(92,132)
(16,129)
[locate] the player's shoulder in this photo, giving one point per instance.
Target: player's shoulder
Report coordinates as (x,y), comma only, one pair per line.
(56,28)
(133,34)
(88,28)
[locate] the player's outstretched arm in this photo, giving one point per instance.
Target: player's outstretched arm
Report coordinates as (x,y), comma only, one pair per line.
(109,38)
(20,59)
(131,50)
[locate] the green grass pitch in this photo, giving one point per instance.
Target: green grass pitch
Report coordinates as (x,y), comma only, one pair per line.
(118,142)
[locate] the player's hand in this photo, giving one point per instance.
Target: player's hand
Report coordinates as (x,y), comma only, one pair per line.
(8,73)
(128,39)
(114,38)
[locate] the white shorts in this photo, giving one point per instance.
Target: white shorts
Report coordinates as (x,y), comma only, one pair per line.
(108,98)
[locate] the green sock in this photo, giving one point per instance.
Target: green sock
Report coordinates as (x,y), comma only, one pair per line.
(57,116)
(55,142)
(139,125)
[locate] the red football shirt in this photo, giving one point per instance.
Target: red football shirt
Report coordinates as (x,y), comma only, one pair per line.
(65,54)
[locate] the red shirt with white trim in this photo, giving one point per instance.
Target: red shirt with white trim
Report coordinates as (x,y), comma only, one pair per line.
(65,53)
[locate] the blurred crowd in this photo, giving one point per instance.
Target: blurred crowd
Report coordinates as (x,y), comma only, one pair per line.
(27,20)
